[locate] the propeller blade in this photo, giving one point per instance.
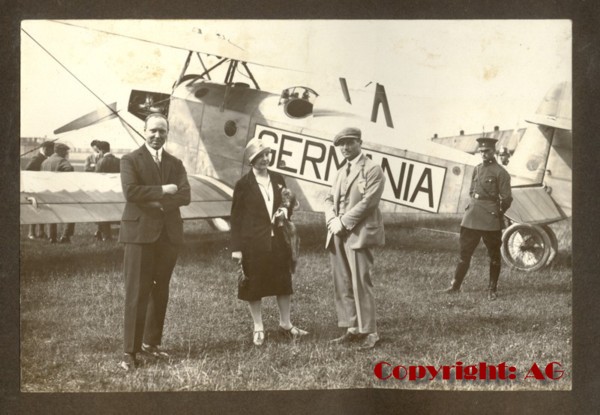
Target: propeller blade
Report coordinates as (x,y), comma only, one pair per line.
(94,117)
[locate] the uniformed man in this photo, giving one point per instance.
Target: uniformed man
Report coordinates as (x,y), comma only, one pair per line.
(490,198)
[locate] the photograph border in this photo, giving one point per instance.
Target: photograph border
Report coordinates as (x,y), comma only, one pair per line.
(586,287)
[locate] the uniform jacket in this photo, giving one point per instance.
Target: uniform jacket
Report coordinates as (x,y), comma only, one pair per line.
(251,225)
(490,197)
(56,163)
(362,216)
(108,164)
(147,210)
(35,164)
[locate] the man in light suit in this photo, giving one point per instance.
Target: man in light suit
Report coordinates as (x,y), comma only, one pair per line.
(354,225)
(155,185)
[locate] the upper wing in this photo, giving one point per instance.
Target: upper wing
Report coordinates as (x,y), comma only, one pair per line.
(165,34)
(71,197)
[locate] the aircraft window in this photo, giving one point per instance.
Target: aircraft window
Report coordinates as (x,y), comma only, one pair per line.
(230,128)
(201,92)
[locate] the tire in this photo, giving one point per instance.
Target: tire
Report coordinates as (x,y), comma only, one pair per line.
(526,247)
(553,242)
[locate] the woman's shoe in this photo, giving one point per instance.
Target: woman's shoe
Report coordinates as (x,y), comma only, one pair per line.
(293,332)
(259,337)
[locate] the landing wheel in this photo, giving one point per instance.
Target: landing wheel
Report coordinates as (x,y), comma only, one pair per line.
(553,241)
(527,247)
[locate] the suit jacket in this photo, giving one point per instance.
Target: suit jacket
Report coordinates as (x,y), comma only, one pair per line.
(56,163)
(35,164)
(108,164)
(362,217)
(91,162)
(490,197)
(147,210)
(250,222)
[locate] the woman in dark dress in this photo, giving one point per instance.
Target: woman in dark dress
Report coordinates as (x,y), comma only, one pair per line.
(258,244)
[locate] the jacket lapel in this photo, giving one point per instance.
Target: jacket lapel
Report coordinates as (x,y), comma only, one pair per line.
(359,164)
(257,193)
(165,165)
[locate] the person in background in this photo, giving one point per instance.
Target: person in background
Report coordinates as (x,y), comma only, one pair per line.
(35,164)
(107,163)
(58,162)
(92,159)
(504,156)
(354,227)
(259,245)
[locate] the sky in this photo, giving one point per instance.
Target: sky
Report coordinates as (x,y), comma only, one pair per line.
(441,76)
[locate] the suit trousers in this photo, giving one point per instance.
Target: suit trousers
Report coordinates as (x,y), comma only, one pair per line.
(147,270)
(354,299)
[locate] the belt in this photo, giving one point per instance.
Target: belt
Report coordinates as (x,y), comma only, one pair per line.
(477,196)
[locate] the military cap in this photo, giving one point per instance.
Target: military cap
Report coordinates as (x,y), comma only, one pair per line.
(350,132)
(254,148)
(486,143)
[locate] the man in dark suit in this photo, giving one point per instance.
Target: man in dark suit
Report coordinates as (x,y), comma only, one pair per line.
(59,162)
(155,185)
(35,164)
(354,226)
(107,163)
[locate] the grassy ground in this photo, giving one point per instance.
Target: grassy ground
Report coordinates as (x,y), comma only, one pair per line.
(72,304)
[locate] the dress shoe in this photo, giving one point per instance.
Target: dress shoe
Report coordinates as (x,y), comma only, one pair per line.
(347,337)
(98,235)
(32,237)
(154,351)
(258,338)
(492,295)
(293,332)
(52,240)
(65,240)
(450,290)
(369,342)
(129,362)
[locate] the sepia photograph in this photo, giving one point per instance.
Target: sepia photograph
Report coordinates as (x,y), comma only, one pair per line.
(283,205)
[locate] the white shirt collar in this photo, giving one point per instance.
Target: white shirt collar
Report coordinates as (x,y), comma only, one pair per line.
(153,151)
(356,158)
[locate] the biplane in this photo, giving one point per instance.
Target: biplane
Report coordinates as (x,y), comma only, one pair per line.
(211,122)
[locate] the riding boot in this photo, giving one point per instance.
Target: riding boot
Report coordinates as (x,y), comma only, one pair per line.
(494,275)
(459,276)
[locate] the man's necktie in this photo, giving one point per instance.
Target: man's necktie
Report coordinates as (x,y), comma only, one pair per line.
(157,160)
(348,167)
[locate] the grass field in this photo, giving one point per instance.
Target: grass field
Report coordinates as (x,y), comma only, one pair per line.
(72,305)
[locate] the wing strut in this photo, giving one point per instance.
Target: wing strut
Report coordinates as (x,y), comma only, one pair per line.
(250,75)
